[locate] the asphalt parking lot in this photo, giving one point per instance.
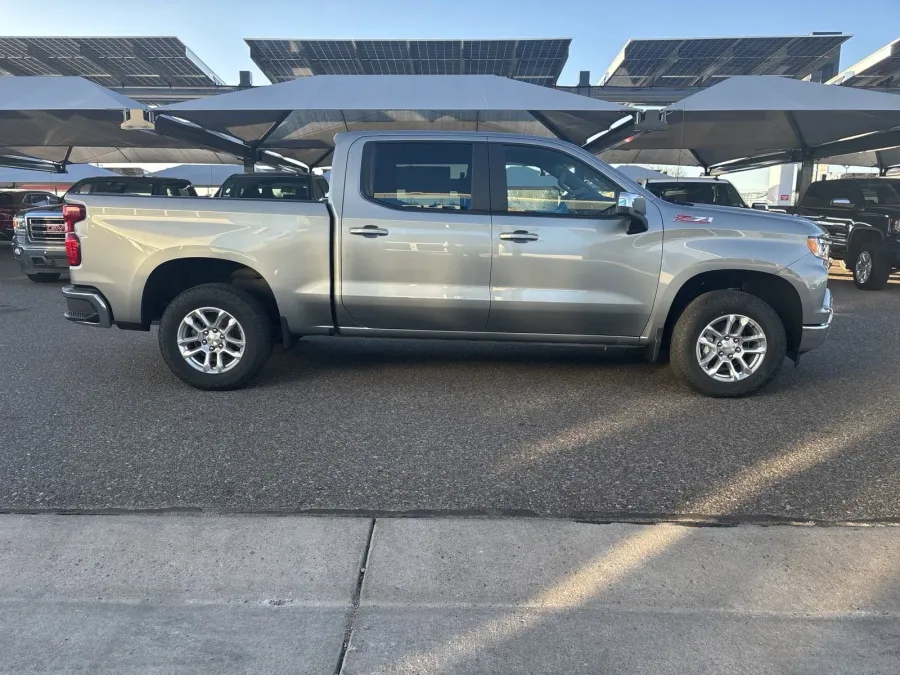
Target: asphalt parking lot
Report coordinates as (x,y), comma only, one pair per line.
(91,420)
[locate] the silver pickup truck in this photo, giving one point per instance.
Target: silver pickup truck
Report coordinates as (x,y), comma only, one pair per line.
(473,236)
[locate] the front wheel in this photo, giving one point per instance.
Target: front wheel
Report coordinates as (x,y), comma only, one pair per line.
(870,268)
(728,344)
(44,277)
(215,337)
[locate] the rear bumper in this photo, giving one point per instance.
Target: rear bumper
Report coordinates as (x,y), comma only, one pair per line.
(813,336)
(88,306)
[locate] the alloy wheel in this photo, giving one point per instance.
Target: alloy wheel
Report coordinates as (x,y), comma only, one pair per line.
(731,348)
(211,340)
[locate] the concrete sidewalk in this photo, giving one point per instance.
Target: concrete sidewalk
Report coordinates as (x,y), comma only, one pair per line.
(244,594)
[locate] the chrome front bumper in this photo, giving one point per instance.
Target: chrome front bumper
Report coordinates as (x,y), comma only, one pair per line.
(87,306)
(814,336)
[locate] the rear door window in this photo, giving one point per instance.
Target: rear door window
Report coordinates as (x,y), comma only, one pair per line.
(419,175)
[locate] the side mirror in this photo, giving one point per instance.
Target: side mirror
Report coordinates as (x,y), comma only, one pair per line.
(760,206)
(841,203)
(633,207)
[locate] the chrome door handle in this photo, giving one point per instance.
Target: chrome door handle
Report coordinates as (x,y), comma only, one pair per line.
(369,231)
(519,236)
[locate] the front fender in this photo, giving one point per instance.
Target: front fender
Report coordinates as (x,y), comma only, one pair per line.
(689,253)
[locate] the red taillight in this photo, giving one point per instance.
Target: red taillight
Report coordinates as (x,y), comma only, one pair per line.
(73,249)
(73,213)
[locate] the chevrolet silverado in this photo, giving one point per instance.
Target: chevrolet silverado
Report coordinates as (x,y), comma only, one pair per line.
(474,236)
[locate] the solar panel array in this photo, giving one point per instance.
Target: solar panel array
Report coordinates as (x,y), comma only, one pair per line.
(879,70)
(705,61)
(111,62)
(539,61)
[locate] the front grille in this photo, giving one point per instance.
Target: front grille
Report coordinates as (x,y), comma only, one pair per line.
(47,229)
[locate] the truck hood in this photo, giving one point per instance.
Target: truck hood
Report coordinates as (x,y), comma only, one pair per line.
(51,210)
(731,217)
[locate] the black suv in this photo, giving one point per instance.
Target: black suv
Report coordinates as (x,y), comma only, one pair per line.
(862,216)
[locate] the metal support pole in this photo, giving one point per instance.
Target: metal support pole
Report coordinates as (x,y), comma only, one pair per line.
(804,178)
(249,166)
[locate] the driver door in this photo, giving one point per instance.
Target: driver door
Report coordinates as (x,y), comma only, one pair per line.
(563,260)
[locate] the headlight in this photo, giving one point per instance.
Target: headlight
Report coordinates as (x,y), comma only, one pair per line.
(819,246)
(895,225)
(19,224)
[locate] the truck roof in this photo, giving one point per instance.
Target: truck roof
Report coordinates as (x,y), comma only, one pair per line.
(687,179)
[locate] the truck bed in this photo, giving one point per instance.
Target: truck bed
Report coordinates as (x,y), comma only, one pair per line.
(287,243)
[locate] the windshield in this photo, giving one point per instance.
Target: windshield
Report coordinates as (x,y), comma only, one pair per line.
(719,193)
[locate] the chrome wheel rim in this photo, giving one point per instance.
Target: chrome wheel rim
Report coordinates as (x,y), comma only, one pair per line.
(863,266)
(731,348)
(211,340)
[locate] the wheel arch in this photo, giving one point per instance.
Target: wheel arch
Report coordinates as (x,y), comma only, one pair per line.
(172,277)
(776,291)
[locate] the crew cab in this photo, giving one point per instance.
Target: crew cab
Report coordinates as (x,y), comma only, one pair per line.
(473,236)
(862,216)
(39,243)
(16,201)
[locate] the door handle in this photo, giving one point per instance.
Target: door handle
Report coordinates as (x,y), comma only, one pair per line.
(519,236)
(369,231)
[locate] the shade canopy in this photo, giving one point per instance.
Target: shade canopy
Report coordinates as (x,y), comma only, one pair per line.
(638,172)
(879,159)
(73,174)
(623,155)
(748,116)
(206,175)
(71,119)
(299,118)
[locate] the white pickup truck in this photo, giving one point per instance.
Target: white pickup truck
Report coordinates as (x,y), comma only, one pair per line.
(472,236)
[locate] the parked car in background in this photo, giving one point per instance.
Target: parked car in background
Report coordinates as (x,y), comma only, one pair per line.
(455,236)
(16,201)
(39,243)
(713,191)
(302,187)
(862,216)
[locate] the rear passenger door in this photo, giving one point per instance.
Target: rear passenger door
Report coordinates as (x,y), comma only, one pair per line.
(415,236)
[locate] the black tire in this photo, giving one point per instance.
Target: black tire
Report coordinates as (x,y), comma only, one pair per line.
(248,311)
(878,271)
(44,277)
(709,307)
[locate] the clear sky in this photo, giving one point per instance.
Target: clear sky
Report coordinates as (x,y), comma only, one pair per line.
(214,29)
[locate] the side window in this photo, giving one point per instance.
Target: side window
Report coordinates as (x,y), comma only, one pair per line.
(419,175)
(540,180)
(816,195)
(81,189)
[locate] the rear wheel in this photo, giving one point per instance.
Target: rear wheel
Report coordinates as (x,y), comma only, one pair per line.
(728,344)
(215,337)
(44,277)
(870,267)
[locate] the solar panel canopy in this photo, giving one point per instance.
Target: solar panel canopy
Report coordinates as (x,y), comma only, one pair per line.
(538,61)
(108,61)
(705,61)
(881,70)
